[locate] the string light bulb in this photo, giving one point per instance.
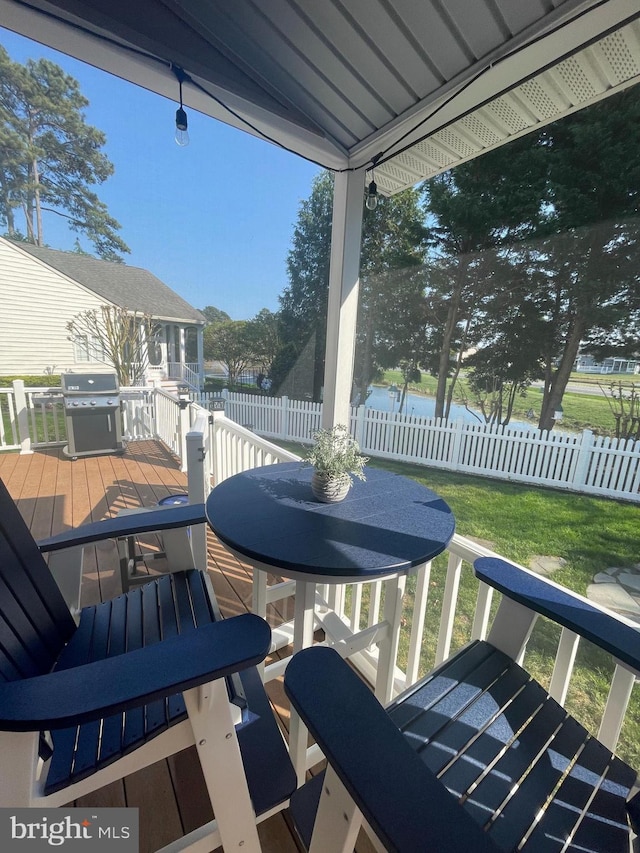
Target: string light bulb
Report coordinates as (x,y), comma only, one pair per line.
(182,124)
(372,196)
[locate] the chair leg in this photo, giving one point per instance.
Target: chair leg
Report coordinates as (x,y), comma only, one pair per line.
(19,752)
(338,820)
(219,753)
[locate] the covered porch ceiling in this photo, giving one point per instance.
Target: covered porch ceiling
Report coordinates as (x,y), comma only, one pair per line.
(414,86)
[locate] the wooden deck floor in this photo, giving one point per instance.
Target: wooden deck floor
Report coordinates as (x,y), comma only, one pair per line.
(53,494)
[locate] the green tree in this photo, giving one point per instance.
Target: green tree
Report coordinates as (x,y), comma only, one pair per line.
(264,333)
(391,311)
(303,303)
(50,158)
(393,245)
(230,343)
(477,212)
(592,253)
(551,221)
(214,315)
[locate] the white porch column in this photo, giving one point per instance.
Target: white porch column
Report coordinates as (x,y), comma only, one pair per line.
(183,350)
(200,345)
(344,279)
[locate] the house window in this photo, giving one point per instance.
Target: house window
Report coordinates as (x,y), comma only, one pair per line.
(87,348)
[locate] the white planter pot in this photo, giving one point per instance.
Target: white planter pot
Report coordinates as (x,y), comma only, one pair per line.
(330,489)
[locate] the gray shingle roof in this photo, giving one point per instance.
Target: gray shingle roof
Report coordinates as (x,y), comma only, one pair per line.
(129,287)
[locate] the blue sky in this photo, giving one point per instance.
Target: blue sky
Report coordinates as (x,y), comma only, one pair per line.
(213,220)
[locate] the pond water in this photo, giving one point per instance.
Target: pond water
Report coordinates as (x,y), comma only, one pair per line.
(414,404)
(424,407)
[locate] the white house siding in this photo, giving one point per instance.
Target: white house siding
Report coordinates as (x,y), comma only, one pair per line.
(36,303)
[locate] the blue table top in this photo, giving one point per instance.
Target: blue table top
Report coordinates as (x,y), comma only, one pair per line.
(386,525)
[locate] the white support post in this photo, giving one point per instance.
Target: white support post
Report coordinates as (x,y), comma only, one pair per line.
(302,639)
(200,345)
(449,601)
(338,819)
(182,350)
(22,416)
(393,597)
(217,744)
(346,234)
(423,577)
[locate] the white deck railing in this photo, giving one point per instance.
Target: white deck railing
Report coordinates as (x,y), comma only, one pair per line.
(579,462)
(445,605)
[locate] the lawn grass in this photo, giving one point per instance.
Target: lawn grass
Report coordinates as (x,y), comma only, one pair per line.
(520,522)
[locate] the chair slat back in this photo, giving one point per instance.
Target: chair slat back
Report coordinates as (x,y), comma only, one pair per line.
(35,622)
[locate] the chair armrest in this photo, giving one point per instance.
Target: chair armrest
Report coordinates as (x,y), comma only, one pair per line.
(403,801)
(567,608)
(126,525)
(88,692)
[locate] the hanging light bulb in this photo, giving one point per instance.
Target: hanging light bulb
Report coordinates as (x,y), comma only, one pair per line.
(182,133)
(372,196)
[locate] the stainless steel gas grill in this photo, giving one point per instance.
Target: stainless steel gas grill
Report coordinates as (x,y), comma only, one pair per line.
(92,414)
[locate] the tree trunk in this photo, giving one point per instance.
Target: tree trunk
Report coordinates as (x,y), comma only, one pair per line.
(448,335)
(554,390)
(36,198)
(365,365)
(456,371)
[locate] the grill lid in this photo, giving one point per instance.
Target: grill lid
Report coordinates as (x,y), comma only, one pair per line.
(89,383)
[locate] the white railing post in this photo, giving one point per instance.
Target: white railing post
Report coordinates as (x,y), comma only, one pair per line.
(449,601)
(197,467)
(417,623)
(215,447)
(22,416)
(183,429)
(616,707)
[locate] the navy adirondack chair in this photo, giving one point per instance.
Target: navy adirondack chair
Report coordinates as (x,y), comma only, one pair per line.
(136,679)
(476,756)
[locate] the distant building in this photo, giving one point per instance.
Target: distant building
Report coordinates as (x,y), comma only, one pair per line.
(588,364)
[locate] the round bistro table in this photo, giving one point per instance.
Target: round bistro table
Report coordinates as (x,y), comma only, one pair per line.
(385,529)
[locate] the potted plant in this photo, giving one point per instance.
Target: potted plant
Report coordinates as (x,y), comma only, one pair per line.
(336,457)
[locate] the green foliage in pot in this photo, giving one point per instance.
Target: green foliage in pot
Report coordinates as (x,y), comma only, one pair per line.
(336,453)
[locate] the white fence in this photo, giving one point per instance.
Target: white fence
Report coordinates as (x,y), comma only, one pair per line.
(579,462)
